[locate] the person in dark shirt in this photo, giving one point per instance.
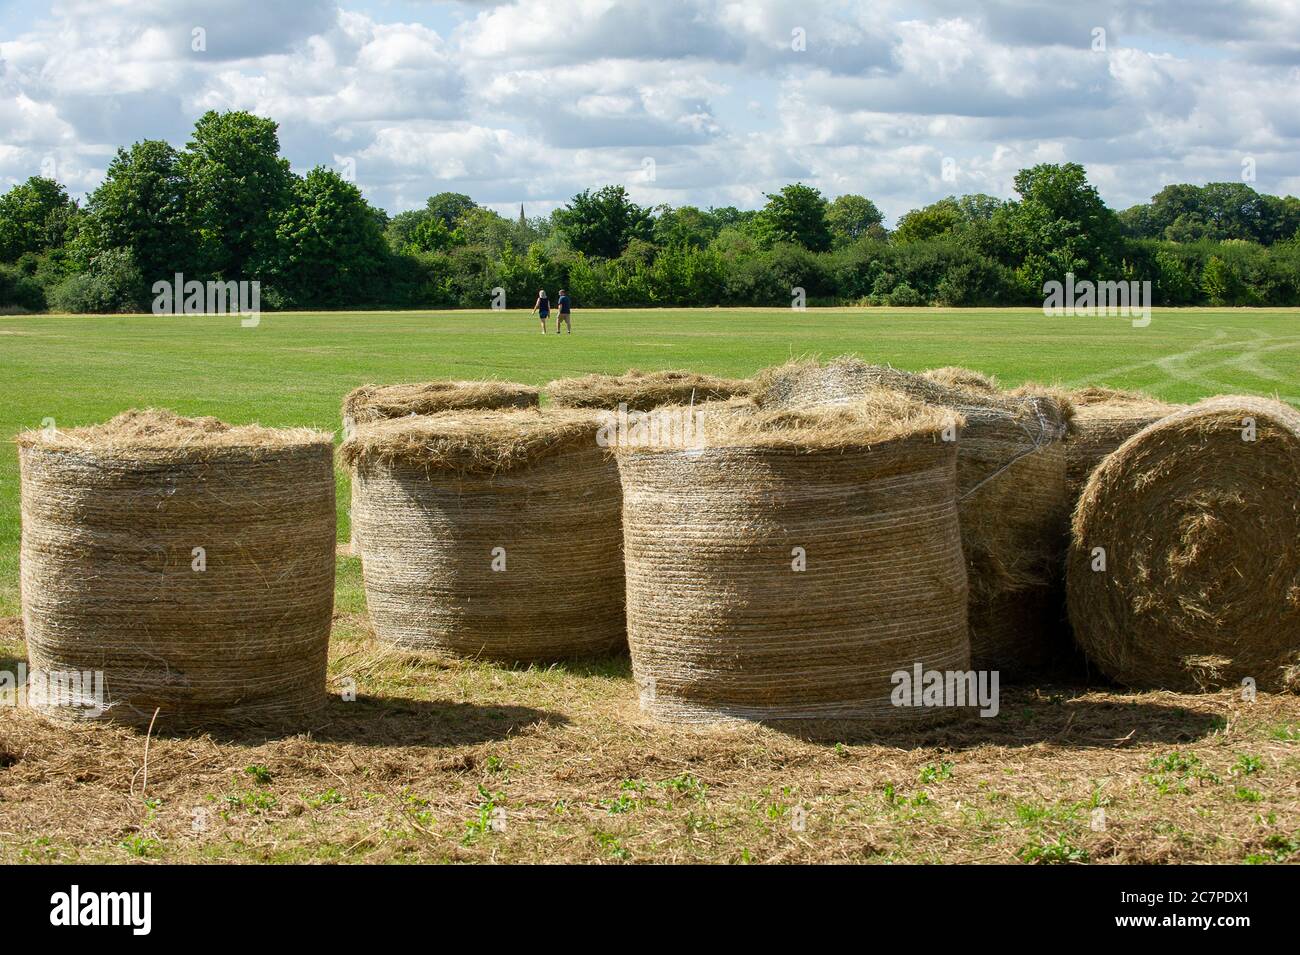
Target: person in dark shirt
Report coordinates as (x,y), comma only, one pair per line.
(543,308)
(564,316)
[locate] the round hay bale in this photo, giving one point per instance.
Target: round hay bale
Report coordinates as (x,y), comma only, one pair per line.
(1200,586)
(1105,418)
(490,534)
(190,561)
(641,390)
(380,402)
(1010,494)
(723,624)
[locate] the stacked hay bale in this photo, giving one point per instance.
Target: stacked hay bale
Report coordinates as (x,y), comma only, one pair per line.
(190,561)
(1011,498)
(379,402)
(490,534)
(642,391)
(1104,418)
(1184,570)
(789,562)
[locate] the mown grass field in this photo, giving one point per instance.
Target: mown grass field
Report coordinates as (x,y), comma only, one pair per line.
(418,767)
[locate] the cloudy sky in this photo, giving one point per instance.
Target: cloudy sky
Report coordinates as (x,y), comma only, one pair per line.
(711,102)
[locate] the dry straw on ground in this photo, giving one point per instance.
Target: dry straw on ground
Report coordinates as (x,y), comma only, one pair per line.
(1105,418)
(1199,520)
(1010,491)
(641,390)
(490,534)
(723,623)
(112,516)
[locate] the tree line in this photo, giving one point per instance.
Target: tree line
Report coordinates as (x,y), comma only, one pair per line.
(228,207)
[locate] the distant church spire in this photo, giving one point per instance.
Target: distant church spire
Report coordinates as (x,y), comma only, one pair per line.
(522,220)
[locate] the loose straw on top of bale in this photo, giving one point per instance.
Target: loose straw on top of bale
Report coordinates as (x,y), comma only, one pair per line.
(377,402)
(1104,418)
(641,390)
(955,377)
(724,619)
(190,561)
(1184,568)
(1010,491)
(490,534)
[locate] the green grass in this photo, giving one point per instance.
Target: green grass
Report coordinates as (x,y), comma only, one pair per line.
(293,369)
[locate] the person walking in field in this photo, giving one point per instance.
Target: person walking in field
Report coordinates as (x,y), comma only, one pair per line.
(543,308)
(564,317)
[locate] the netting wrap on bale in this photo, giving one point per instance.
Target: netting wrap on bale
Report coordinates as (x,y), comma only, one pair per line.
(190,562)
(1010,492)
(788,563)
(642,390)
(1104,418)
(1184,568)
(381,402)
(490,534)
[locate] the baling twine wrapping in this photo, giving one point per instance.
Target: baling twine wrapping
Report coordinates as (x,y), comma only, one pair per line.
(370,403)
(1197,585)
(720,624)
(443,500)
(1104,418)
(110,519)
(1010,489)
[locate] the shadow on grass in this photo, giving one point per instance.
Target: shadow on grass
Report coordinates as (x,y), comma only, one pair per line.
(385,721)
(1063,716)
(382,721)
(617,665)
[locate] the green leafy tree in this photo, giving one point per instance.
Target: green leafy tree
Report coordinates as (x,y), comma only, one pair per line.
(686,226)
(237,185)
(852,217)
(726,217)
(111,283)
(33,218)
(449,207)
(939,218)
(1219,282)
(401,228)
(430,235)
(1059,225)
(978,207)
(1174,284)
(1220,211)
(796,214)
(328,247)
(485,228)
(602,223)
(140,207)
(970,215)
